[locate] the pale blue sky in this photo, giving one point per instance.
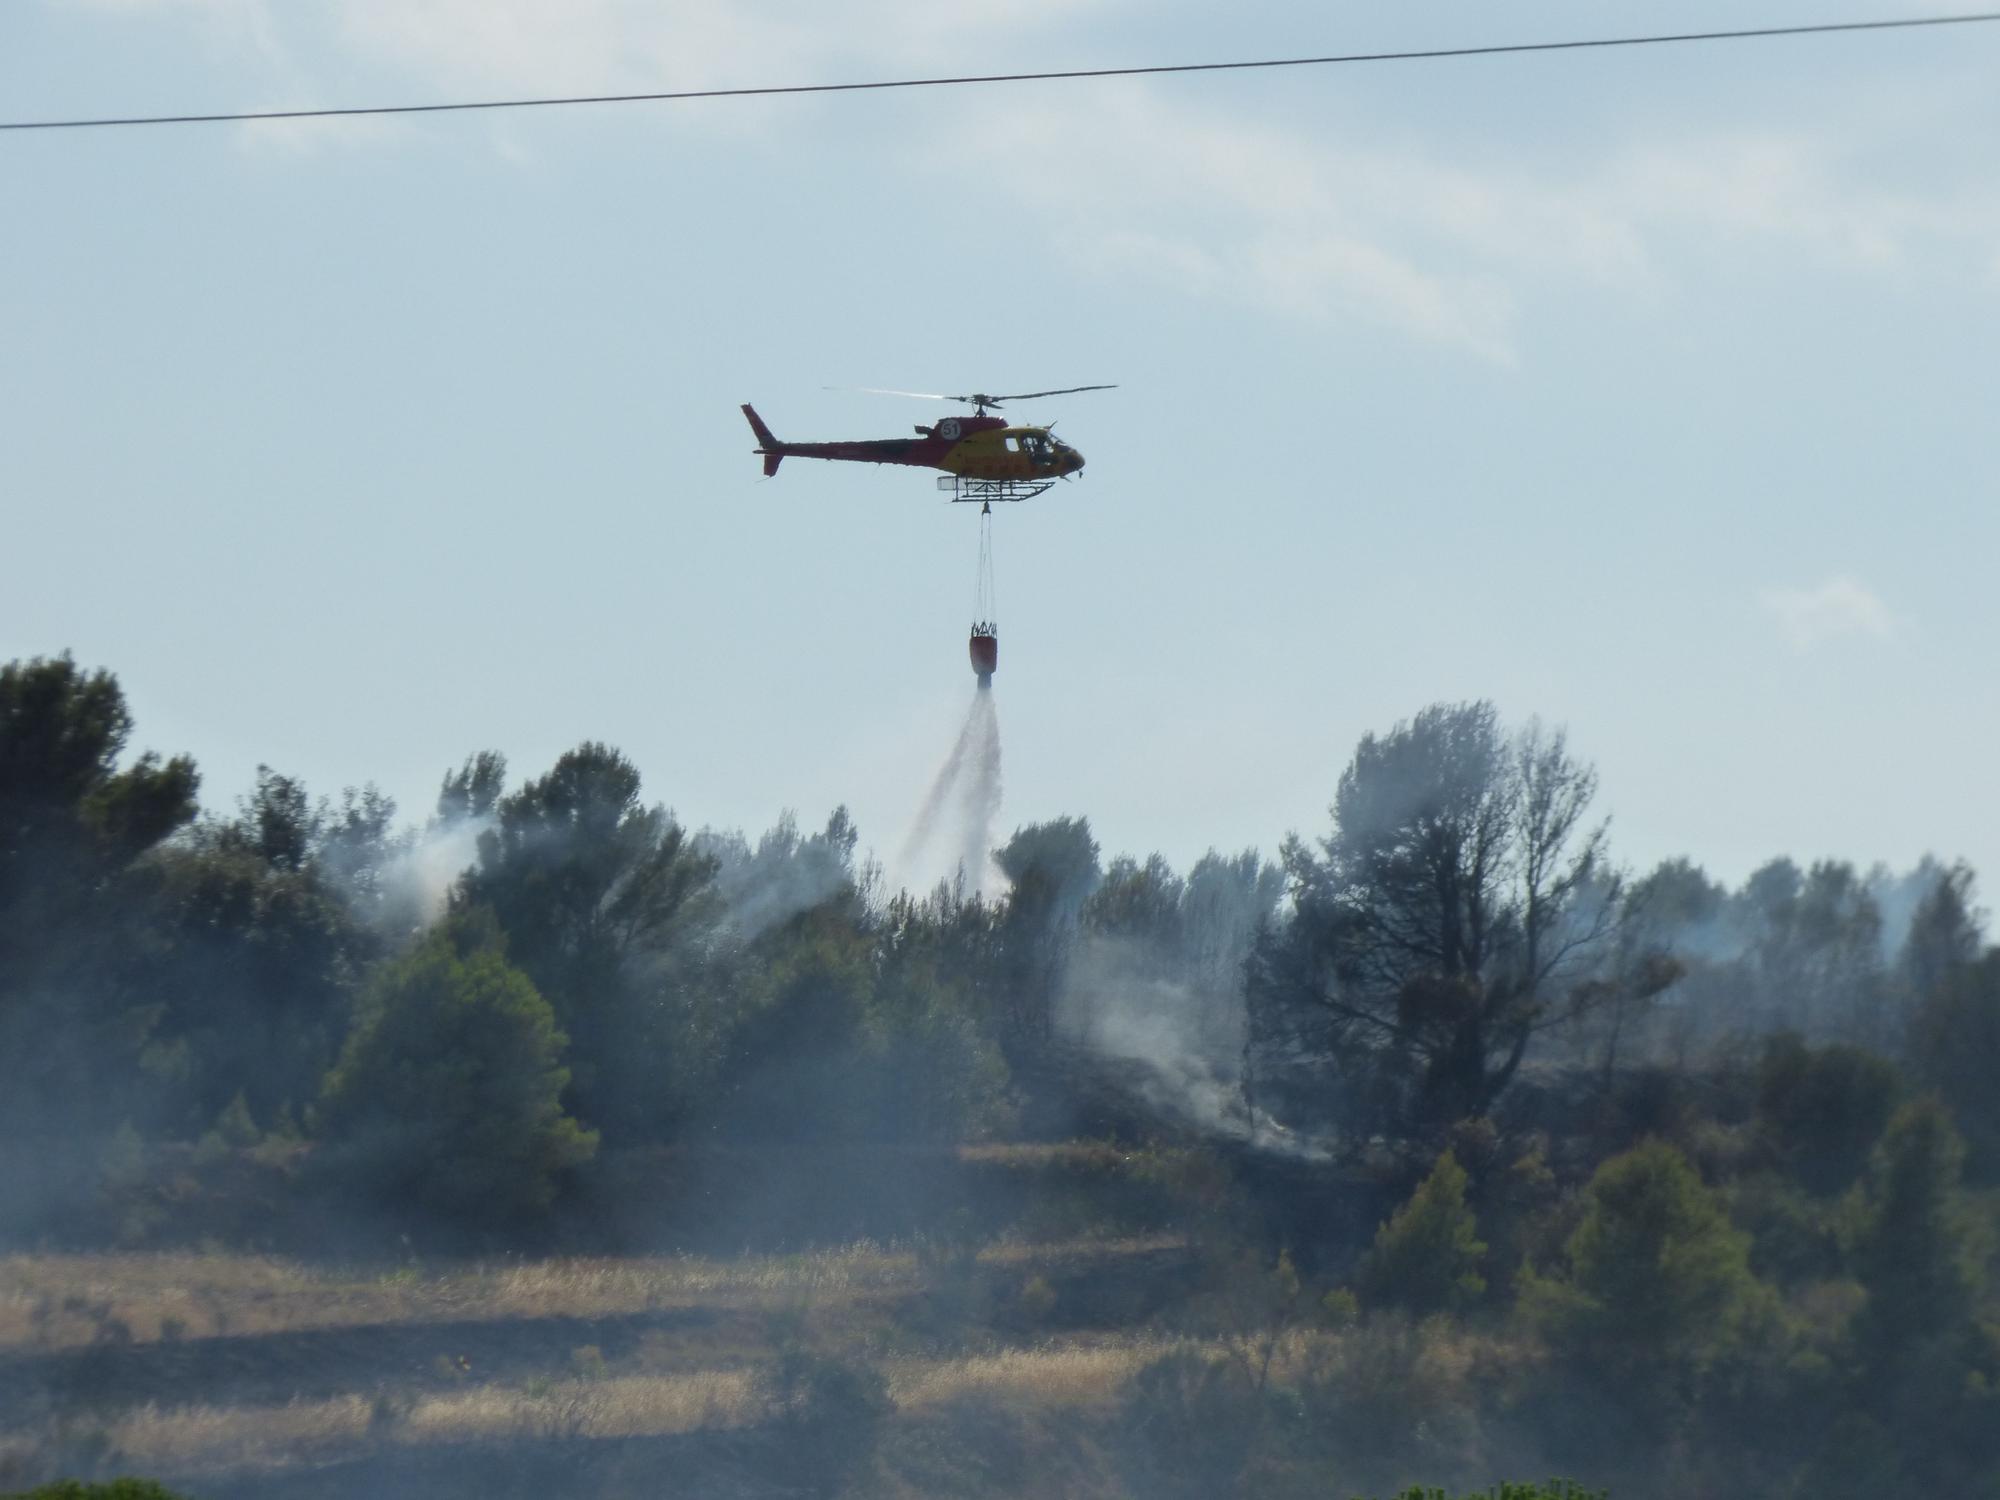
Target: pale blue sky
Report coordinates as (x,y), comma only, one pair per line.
(1649,392)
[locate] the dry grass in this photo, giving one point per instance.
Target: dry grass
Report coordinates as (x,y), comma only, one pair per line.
(193,1439)
(1071,1374)
(1054,1374)
(216,1439)
(211,1439)
(632,1406)
(58,1301)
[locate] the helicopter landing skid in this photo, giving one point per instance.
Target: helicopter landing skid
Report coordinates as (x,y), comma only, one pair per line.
(986,491)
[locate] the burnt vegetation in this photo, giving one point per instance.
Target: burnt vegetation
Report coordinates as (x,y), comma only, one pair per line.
(544,1144)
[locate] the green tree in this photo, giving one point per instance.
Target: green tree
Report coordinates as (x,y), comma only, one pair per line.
(1427,1256)
(1925,1370)
(74,824)
(608,907)
(1654,1279)
(1945,936)
(940,1073)
(1955,1050)
(448,1092)
(1916,1253)
(796,1057)
(1820,1110)
(256,957)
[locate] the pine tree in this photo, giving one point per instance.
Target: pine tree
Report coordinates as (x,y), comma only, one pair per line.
(1427,1255)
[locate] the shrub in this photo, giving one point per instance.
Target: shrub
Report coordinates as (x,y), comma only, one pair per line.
(827,1414)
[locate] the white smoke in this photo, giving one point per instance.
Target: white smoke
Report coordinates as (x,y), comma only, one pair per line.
(415,882)
(1179,1043)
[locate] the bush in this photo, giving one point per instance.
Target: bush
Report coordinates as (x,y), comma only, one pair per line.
(828,1415)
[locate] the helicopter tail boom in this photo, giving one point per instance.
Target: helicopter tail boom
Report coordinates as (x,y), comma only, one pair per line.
(769,446)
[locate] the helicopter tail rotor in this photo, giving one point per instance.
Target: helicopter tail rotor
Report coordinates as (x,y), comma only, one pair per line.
(767,445)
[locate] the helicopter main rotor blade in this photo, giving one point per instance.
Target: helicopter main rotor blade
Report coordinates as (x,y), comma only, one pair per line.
(1068,390)
(876,390)
(975,399)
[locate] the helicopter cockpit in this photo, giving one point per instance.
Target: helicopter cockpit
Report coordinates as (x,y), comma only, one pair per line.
(1038,447)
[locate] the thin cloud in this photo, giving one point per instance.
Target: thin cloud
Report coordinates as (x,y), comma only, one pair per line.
(1838,609)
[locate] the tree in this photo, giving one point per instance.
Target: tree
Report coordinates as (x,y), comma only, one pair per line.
(74,827)
(795,1062)
(1654,1278)
(1955,1050)
(1813,942)
(1925,1367)
(254,967)
(1821,1110)
(605,903)
(1052,871)
(786,873)
(942,1077)
(448,1092)
(1916,1253)
(1427,1256)
(1944,936)
(260,935)
(1458,908)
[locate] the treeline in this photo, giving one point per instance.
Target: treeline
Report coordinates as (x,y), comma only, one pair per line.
(1662,1179)
(1459,947)
(461,1011)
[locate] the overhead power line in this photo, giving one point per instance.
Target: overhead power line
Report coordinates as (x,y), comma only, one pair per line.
(1431,53)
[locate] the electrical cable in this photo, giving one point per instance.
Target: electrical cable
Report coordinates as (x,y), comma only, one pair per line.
(1820,29)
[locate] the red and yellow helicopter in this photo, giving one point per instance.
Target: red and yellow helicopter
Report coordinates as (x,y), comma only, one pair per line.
(984,458)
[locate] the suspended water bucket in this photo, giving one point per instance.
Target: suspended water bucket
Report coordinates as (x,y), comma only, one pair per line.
(985,650)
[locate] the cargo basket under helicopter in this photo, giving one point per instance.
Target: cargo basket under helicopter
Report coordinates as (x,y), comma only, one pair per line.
(985,491)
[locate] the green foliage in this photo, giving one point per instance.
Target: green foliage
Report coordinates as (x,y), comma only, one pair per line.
(254,966)
(1653,1276)
(606,905)
(74,1013)
(1820,1110)
(1427,1256)
(1955,1048)
(448,1092)
(1917,1252)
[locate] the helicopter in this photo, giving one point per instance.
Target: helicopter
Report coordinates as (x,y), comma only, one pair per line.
(984,458)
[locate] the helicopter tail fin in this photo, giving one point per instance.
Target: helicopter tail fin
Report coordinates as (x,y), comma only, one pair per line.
(770,447)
